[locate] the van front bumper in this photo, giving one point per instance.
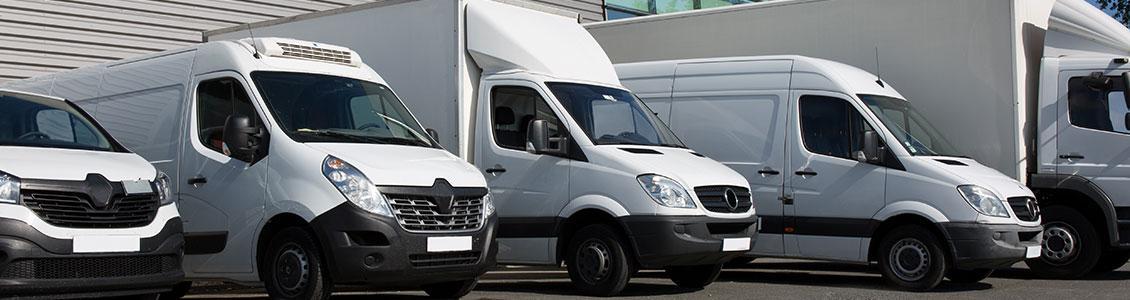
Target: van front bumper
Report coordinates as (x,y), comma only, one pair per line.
(33,265)
(363,248)
(991,246)
(669,241)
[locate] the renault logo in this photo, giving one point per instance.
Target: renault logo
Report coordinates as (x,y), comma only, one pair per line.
(731,198)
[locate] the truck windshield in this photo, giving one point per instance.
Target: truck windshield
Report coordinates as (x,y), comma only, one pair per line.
(909,127)
(49,123)
(315,108)
(613,116)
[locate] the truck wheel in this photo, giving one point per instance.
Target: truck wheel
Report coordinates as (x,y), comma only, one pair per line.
(1071,245)
(969,276)
(292,267)
(912,258)
(1111,260)
(179,291)
(597,262)
(451,290)
(694,277)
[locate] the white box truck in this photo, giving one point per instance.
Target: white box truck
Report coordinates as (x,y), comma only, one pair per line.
(296,167)
(580,170)
(1032,88)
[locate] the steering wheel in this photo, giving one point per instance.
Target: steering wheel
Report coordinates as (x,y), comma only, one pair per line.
(34,135)
(366,126)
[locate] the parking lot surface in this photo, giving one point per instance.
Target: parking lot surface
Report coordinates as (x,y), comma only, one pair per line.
(764,278)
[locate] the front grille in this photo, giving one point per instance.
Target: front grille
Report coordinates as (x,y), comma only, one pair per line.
(98,267)
(421,213)
(444,259)
(1024,211)
(713,198)
(74,210)
(316,53)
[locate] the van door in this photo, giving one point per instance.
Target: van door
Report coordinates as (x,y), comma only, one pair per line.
(529,190)
(1094,141)
(833,195)
(221,198)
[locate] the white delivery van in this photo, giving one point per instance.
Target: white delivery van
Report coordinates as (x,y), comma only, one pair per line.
(295,165)
(843,167)
(581,171)
(1031,88)
(80,215)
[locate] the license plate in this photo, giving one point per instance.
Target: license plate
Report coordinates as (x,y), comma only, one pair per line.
(735,244)
(1033,252)
(449,243)
(106,243)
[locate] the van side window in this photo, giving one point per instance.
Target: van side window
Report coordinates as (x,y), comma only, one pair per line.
(216,100)
(1098,108)
(513,108)
(831,126)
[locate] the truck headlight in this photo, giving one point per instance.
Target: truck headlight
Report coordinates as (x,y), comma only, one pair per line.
(161,186)
(9,189)
(665,191)
(983,201)
(355,186)
(488,205)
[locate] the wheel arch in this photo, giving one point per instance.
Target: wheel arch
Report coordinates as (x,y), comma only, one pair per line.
(273,226)
(886,225)
(589,216)
(1060,189)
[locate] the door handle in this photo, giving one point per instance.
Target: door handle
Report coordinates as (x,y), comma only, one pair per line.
(1071,156)
(787,200)
(197,181)
(496,169)
(805,173)
(768,171)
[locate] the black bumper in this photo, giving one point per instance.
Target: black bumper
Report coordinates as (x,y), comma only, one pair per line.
(35,265)
(985,246)
(668,241)
(363,248)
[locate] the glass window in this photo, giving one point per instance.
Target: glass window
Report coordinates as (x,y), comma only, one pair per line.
(909,126)
(640,5)
(49,123)
(612,116)
(670,6)
(513,109)
(831,126)
(218,99)
(1098,106)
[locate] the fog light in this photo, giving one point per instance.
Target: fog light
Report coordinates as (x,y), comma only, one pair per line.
(996,235)
(373,261)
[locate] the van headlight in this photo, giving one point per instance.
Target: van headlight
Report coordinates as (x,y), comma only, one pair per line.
(665,191)
(488,205)
(983,201)
(355,186)
(9,189)
(161,186)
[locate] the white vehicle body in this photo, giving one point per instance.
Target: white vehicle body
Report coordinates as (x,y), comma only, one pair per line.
(237,199)
(994,76)
(448,57)
(69,191)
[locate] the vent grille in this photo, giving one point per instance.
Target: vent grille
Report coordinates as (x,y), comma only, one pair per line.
(1026,208)
(97,267)
(422,214)
(74,210)
(444,259)
(316,53)
(713,198)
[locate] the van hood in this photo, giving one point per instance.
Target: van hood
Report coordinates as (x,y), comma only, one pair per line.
(73,165)
(969,171)
(682,165)
(396,165)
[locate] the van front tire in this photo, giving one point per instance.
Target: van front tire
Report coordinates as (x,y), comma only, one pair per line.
(451,290)
(912,258)
(597,262)
(694,277)
(292,267)
(1071,246)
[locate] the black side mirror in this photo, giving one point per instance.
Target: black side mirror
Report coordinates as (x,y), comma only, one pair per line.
(870,152)
(241,139)
(432,133)
(537,137)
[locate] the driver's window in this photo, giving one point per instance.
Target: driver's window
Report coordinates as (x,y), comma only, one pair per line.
(513,108)
(216,100)
(1097,107)
(55,124)
(831,126)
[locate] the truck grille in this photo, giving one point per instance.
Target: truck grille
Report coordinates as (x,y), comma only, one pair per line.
(714,199)
(1026,208)
(74,210)
(423,214)
(444,259)
(95,267)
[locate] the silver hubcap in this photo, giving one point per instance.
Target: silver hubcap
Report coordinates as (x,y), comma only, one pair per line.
(594,261)
(1060,243)
(292,270)
(909,259)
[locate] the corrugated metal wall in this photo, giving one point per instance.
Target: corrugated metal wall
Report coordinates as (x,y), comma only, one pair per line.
(40,36)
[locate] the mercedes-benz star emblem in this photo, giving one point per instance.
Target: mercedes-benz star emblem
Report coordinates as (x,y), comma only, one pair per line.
(731,198)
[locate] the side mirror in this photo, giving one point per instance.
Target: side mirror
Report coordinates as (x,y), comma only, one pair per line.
(537,137)
(870,153)
(1126,88)
(241,139)
(432,133)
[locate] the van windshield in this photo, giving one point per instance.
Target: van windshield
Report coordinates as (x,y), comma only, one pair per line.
(49,123)
(315,108)
(613,116)
(909,127)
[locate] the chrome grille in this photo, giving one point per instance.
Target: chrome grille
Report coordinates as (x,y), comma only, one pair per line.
(316,53)
(421,213)
(1026,208)
(713,198)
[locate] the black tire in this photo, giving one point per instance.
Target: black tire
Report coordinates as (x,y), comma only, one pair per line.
(1071,246)
(739,262)
(694,277)
(597,262)
(911,258)
(1111,260)
(968,276)
(451,290)
(179,291)
(292,267)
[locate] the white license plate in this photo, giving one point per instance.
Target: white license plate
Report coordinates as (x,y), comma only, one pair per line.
(735,244)
(106,243)
(1033,252)
(449,243)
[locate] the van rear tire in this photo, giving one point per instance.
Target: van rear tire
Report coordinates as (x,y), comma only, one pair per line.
(451,290)
(911,258)
(292,267)
(597,262)
(694,277)
(1071,246)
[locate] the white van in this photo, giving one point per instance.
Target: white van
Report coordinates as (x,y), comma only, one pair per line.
(295,165)
(843,168)
(80,215)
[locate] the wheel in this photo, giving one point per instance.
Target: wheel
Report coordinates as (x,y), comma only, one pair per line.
(597,262)
(739,262)
(912,258)
(694,277)
(179,291)
(968,276)
(1071,245)
(451,290)
(1111,260)
(292,267)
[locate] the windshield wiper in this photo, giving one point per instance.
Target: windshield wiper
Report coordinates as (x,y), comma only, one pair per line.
(328,133)
(367,139)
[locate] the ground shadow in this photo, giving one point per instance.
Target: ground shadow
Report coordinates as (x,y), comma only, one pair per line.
(566,288)
(812,274)
(1025,274)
